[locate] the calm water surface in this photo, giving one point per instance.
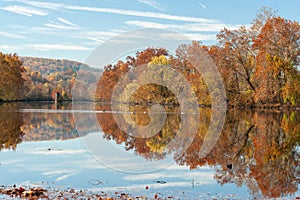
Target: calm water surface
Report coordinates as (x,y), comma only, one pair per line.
(90,147)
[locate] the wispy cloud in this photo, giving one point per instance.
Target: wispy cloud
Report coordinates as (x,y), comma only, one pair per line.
(193,31)
(151,3)
(155,15)
(204,27)
(201,37)
(189,36)
(136,13)
(11,35)
(62,24)
(10,48)
(63,47)
(24,10)
(65,21)
(100,34)
(202,5)
(38,4)
(59,26)
(96,37)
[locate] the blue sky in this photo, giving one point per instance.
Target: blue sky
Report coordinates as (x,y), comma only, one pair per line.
(73,29)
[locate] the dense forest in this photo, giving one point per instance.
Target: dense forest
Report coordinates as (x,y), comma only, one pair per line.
(259,65)
(31,78)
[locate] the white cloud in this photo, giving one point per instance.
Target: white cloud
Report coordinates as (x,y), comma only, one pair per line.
(96,37)
(11,35)
(62,23)
(38,4)
(6,47)
(156,15)
(207,27)
(101,34)
(136,13)
(188,36)
(49,47)
(202,5)
(200,37)
(193,31)
(152,3)
(24,10)
(59,26)
(95,40)
(146,24)
(65,21)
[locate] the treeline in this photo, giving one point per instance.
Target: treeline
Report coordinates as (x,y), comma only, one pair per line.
(46,76)
(259,66)
(30,78)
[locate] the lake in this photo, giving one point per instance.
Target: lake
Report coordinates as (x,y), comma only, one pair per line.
(144,152)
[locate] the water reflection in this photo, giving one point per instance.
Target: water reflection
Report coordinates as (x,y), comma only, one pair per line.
(39,126)
(259,149)
(256,148)
(17,126)
(150,148)
(10,127)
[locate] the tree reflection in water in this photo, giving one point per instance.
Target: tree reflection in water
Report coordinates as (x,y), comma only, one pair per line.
(10,127)
(257,148)
(17,126)
(150,148)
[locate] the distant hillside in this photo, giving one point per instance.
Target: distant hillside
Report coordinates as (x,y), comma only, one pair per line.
(45,76)
(48,66)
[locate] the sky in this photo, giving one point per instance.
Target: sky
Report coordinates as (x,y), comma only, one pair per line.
(72,30)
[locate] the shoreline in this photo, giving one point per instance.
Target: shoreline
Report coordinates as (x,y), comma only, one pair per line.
(275,107)
(35,193)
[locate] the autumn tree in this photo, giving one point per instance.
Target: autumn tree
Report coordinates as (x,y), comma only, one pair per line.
(259,64)
(238,60)
(11,80)
(277,72)
(43,76)
(113,73)
(184,54)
